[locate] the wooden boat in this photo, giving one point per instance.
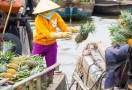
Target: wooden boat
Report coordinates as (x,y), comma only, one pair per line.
(75,10)
(111,7)
(90,66)
(58,81)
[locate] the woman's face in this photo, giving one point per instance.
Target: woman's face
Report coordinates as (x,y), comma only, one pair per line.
(47,13)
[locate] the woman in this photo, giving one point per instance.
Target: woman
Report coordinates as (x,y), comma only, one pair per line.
(46,22)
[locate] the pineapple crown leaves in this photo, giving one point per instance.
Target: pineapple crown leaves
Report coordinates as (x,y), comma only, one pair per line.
(127,17)
(88,27)
(124,14)
(118,38)
(38,59)
(91,27)
(113,28)
(119,33)
(6,57)
(7,46)
(117,28)
(122,30)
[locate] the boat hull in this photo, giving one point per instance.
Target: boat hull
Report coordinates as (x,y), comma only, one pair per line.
(112,8)
(76,11)
(91,69)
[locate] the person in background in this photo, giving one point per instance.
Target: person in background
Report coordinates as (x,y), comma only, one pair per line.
(46,23)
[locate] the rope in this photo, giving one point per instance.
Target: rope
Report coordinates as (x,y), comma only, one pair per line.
(99,79)
(79,67)
(94,74)
(11,2)
(89,70)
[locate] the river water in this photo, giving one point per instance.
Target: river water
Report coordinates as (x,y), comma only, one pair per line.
(68,52)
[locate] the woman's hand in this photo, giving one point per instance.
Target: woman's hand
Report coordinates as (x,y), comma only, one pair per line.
(58,35)
(72,29)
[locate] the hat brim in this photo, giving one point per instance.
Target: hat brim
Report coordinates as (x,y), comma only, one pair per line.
(110,77)
(45,5)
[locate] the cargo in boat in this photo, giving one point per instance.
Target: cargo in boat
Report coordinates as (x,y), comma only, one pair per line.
(75,10)
(91,69)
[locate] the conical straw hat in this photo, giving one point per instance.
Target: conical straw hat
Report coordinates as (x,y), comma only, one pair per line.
(45,5)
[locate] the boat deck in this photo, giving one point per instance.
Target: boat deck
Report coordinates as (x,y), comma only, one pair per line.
(90,66)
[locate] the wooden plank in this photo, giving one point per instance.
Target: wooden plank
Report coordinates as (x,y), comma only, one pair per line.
(94,71)
(51,76)
(59,82)
(106,5)
(31,83)
(84,77)
(44,79)
(8,87)
(78,87)
(86,68)
(39,83)
(102,47)
(24,87)
(87,62)
(98,59)
(3,81)
(126,2)
(57,68)
(52,86)
(79,81)
(35,75)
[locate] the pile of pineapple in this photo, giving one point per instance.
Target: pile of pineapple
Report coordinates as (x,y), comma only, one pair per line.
(21,67)
(17,68)
(121,31)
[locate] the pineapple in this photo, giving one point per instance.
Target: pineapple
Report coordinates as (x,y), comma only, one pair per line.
(8,46)
(24,67)
(6,57)
(7,75)
(79,38)
(22,74)
(31,63)
(12,71)
(2,68)
(13,66)
(129,41)
(121,32)
(84,31)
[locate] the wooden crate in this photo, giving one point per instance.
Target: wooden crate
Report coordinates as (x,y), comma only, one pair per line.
(40,77)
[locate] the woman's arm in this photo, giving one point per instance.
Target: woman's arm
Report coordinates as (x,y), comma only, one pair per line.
(60,22)
(62,25)
(40,27)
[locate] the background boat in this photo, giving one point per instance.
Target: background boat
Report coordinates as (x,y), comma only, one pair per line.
(75,10)
(111,7)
